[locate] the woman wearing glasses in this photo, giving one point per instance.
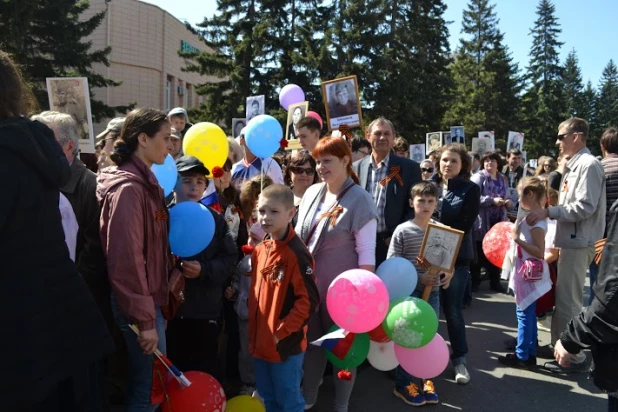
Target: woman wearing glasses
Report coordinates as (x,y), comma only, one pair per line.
(299,175)
(427,169)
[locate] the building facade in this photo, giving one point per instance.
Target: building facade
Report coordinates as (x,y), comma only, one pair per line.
(145,41)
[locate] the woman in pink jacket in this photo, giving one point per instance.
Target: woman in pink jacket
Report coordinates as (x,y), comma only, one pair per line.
(135,241)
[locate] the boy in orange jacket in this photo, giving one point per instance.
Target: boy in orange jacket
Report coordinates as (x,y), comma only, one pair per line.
(283,298)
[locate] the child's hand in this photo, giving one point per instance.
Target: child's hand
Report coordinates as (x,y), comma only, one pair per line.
(428,279)
(191,269)
(229,292)
(516,230)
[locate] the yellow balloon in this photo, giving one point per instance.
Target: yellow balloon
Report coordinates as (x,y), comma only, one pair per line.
(244,403)
(208,143)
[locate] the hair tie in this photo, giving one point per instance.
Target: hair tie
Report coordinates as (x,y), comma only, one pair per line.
(122,149)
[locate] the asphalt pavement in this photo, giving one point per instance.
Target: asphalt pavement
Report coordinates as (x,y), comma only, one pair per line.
(490,321)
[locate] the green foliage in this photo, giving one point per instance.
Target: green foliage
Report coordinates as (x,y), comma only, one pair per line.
(607,106)
(46,39)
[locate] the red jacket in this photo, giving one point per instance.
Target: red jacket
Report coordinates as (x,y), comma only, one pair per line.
(282,299)
(135,239)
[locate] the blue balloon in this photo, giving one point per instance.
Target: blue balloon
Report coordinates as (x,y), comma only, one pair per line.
(400,277)
(192,228)
(166,174)
(263,135)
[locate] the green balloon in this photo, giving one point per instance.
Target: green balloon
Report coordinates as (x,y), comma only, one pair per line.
(410,322)
(356,355)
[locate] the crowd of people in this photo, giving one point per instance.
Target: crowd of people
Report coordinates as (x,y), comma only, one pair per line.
(285,227)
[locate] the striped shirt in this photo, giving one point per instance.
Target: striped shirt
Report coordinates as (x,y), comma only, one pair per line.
(376,190)
(406,243)
(610,165)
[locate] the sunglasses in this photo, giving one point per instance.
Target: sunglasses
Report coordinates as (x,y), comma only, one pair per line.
(563,135)
(426,170)
(300,170)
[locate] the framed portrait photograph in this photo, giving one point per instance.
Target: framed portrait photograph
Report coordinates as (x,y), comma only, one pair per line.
(295,112)
(457,135)
(71,95)
(417,152)
(342,102)
(255,106)
(515,141)
(446,137)
(491,136)
(433,142)
(481,145)
(238,123)
(441,246)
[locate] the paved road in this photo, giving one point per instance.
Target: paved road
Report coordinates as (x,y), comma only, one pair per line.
(491,319)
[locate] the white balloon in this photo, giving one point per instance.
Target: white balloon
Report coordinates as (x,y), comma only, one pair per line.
(382,355)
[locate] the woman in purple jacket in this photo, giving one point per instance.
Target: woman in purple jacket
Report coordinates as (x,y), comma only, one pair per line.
(495,200)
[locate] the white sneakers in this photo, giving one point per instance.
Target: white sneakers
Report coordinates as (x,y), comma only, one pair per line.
(462,376)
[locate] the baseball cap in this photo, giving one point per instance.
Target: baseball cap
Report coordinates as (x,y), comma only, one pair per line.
(191,164)
(114,125)
(177,110)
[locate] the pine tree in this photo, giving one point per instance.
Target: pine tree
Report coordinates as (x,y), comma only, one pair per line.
(486,79)
(589,113)
(46,39)
(543,101)
(573,86)
(607,104)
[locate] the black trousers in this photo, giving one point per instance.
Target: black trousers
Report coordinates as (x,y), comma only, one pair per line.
(492,271)
(193,345)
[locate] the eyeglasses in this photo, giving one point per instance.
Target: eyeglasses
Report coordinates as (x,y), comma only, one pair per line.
(363,152)
(563,135)
(300,170)
(426,170)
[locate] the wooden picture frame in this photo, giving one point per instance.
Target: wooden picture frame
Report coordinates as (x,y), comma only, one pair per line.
(433,141)
(441,246)
(342,103)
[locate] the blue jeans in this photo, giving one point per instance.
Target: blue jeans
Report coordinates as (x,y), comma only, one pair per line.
(139,380)
(278,383)
(594,272)
(527,332)
(403,378)
(452,299)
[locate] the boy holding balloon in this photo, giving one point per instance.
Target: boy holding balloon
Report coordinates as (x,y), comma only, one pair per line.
(282,299)
(406,242)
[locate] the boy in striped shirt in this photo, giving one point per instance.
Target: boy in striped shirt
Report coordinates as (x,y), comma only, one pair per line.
(406,242)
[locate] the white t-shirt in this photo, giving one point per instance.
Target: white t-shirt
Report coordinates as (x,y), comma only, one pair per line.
(526,235)
(550,236)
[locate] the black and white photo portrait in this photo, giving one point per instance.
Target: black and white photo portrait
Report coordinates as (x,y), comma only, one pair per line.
(441,246)
(434,141)
(237,125)
(342,102)
(255,106)
(457,134)
(295,113)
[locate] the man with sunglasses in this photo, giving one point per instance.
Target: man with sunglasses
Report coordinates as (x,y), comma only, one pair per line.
(580,217)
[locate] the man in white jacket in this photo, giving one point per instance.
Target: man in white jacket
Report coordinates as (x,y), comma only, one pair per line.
(580,217)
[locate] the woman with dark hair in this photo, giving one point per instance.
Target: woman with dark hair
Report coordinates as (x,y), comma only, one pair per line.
(495,201)
(299,175)
(458,207)
(53,333)
(134,223)
(334,216)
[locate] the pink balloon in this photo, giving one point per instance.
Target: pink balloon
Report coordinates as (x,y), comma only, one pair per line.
(426,362)
(291,94)
(316,116)
(357,301)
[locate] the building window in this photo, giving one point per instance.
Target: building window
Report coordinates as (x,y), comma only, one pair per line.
(189,99)
(168,95)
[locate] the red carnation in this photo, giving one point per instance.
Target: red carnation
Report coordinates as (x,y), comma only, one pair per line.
(283,143)
(246,249)
(344,375)
(217,172)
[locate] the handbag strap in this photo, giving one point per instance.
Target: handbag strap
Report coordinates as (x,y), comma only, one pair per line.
(328,214)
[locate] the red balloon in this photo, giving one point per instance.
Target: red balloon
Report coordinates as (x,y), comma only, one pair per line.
(497,242)
(204,395)
(316,116)
(378,334)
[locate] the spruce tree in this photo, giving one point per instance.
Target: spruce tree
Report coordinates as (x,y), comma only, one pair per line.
(47,39)
(573,87)
(486,80)
(589,113)
(607,104)
(544,106)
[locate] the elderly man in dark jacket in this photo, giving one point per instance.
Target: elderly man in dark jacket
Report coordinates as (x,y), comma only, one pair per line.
(52,331)
(596,327)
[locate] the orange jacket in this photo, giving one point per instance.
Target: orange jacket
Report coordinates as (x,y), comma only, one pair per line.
(283,298)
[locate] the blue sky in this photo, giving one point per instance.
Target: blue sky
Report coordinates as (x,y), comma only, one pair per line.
(590,27)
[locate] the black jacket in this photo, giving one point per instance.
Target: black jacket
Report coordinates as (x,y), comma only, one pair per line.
(51,327)
(459,208)
(397,208)
(596,327)
(204,295)
(80,190)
